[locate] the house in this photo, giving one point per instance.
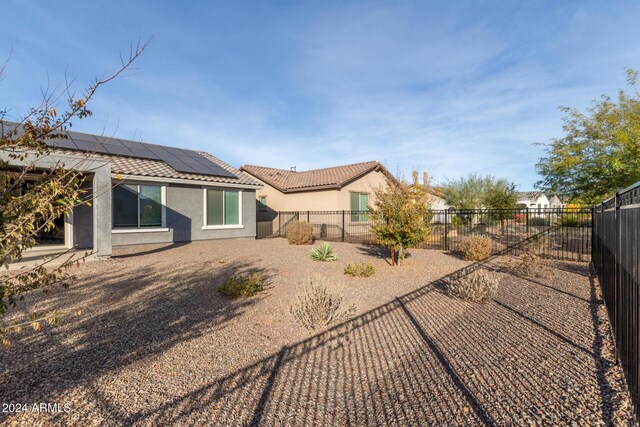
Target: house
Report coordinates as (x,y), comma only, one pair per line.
(533,199)
(146,193)
(555,201)
(347,187)
(538,200)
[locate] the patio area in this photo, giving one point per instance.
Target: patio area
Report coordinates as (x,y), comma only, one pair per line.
(156,344)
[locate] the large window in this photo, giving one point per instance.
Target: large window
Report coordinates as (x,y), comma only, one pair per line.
(137,206)
(222,208)
(359,202)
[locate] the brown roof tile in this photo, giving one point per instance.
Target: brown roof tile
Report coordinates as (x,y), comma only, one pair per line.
(334,177)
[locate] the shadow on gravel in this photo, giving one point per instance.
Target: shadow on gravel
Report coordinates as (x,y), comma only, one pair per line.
(424,359)
(148,312)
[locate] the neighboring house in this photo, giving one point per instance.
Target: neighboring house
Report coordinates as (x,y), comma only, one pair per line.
(533,199)
(348,187)
(555,201)
(147,193)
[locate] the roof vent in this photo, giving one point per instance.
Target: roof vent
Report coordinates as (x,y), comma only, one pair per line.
(293,169)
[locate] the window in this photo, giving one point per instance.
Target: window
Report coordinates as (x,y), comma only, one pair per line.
(359,202)
(222,208)
(137,206)
(263,203)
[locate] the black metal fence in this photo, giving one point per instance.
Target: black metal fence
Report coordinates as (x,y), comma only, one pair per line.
(562,233)
(616,228)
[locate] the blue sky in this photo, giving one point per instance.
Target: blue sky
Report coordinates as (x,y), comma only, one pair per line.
(447,87)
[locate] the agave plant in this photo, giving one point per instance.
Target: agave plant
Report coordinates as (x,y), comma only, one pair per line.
(323,252)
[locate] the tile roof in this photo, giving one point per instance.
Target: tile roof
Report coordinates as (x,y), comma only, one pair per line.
(138,166)
(327,178)
(156,168)
(529,195)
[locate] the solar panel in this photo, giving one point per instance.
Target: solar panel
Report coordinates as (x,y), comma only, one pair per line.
(180,159)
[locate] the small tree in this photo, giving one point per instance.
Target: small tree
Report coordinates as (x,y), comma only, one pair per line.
(400,217)
(28,207)
(501,195)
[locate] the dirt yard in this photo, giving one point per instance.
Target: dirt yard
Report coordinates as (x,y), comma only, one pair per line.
(156,344)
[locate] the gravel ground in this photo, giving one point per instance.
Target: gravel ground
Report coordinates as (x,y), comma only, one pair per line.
(156,344)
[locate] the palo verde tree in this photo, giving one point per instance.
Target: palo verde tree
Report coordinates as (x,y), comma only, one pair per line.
(600,151)
(32,198)
(400,217)
(476,192)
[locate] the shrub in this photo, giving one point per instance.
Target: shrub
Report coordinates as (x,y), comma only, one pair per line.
(457,222)
(538,221)
(319,306)
(529,264)
(300,233)
(475,248)
(323,252)
(246,285)
(479,286)
(569,221)
(359,269)
(520,218)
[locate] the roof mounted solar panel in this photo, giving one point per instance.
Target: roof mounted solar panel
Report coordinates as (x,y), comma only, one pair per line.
(180,159)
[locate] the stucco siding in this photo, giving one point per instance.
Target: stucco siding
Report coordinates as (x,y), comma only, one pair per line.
(185,219)
(323,200)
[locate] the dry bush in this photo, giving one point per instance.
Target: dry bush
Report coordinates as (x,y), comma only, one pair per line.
(246,285)
(475,248)
(530,264)
(319,306)
(359,269)
(300,233)
(479,286)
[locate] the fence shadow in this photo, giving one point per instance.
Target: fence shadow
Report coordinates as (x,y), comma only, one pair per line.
(421,359)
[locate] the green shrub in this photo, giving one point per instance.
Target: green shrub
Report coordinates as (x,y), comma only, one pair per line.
(475,248)
(246,285)
(359,269)
(479,286)
(457,222)
(323,252)
(300,233)
(569,221)
(319,306)
(539,221)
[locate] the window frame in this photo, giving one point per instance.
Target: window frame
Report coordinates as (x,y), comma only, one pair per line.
(204,209)
(362,217)
(263,207)
(140,229)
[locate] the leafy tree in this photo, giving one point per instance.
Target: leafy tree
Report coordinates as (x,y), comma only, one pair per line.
(600,151)
(29,206)
(466,193)
(400,217)
(501,195)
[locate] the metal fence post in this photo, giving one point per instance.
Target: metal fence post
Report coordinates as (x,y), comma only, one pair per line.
(279,224)
(446,230)
(308,217)
(343,225)
(527,220)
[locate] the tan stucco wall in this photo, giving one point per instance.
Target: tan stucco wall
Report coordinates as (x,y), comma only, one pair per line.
(326,200)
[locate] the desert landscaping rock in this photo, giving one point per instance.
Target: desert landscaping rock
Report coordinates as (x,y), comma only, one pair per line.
(156,344)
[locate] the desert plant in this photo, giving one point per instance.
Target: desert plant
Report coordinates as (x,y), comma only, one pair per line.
(319,306)
(529,264)
(538,221)
(245,285)
(323,252)
(300,233)
(359,269)
(569,221)
(479,286)
(475,248)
